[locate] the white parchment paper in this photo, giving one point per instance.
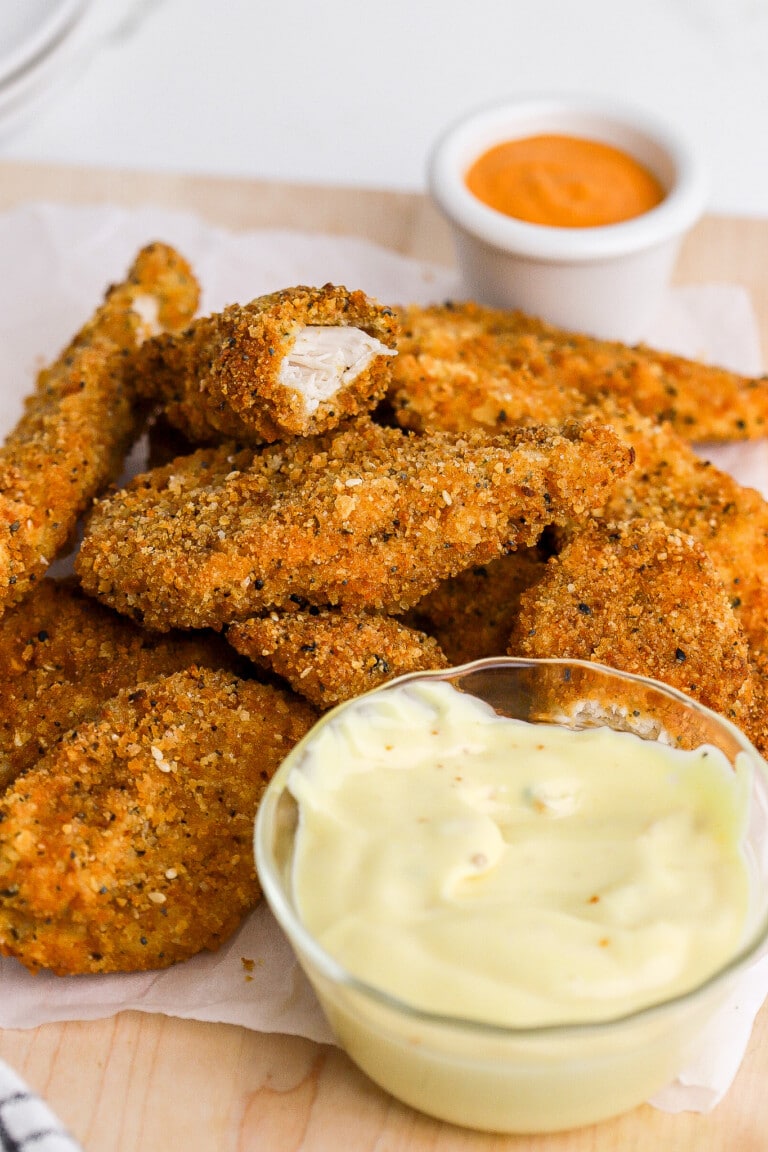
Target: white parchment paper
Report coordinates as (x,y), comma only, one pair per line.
(55,262)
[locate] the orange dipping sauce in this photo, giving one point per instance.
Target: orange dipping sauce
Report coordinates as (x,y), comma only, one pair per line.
(563,182)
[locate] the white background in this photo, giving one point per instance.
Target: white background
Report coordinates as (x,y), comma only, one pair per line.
(354,92)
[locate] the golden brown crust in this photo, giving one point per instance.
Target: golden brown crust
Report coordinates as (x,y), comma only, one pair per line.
(471,615)
(455,381)
(79,421)
(329,656)
(63,655)
(126,843)
(463,365)
(670,482)
(128,846)
(453,373)
(366,518)
(219,378)
(643,598)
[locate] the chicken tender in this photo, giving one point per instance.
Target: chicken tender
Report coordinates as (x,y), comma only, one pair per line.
(462,365)
(453,375)
(643,598)
(294,362)
(329,656)
(367,518)
(472,615)
(128,846)
(63,655)
(78,423)
(670,482)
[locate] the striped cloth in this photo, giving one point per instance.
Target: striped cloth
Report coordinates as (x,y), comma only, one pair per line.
(26,1122)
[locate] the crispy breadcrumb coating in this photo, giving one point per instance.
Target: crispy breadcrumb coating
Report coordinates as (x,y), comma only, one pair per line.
(643,598)
(471,615)
(79,421)
(63,655)
(125,840)
(366,518)
(461,365)
(452,374)
(128,846)
(330,656)
(667,482)
(670,482)
(238,373)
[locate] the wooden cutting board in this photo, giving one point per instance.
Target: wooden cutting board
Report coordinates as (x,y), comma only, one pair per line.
(142,1083)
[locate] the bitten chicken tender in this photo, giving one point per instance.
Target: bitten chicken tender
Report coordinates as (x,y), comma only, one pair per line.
(329,656)
(461,365)
(78,423)
(295,362)
(366,518)
(63,655)
(643,598)
(472,615)
(128,846)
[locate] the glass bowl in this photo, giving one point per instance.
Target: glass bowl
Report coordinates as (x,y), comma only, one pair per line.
(532,1079)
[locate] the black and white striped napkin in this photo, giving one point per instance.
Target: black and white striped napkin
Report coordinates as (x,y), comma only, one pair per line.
(27,1124)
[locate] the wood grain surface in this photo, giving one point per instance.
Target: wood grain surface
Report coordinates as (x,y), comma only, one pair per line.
(143,1083)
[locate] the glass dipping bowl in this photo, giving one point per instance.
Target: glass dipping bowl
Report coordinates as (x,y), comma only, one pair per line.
(539,1079)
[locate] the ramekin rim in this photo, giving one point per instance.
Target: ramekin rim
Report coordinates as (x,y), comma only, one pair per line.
(447,161)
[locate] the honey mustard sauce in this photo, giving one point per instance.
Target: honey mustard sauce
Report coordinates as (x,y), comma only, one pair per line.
(522,874)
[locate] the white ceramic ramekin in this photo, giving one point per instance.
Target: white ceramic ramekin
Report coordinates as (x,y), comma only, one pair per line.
(607,281)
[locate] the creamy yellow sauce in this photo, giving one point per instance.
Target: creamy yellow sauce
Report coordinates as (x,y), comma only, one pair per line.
(522,874)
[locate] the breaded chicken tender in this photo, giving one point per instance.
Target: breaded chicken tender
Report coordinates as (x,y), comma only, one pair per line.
(643,598)
(78,423)
(367,518)
(63,655)
(453,375)
(128,846)
(670,482)
(330,656)
(461,365)
(295,362)
(472,615)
